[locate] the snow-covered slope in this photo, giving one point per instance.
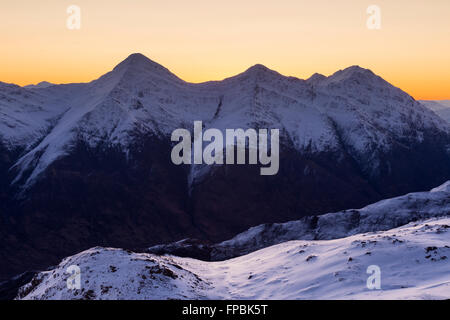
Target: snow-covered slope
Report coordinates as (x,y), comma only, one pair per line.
(440,107)
(413,261)
(25,116)
(352,109)
(384,215)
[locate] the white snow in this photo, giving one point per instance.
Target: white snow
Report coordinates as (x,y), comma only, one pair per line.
(108,273)
(413,260)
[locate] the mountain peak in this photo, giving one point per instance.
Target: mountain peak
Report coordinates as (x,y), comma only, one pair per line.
(316,78)
(259,71)
(353,72)
(137,59)
(257,68)
(137,63)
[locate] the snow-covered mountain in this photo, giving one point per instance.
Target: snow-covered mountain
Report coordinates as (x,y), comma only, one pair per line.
(413,264)
(440,107)
(88,164)
(353,107)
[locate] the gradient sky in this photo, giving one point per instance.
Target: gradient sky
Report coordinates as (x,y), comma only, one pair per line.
(202,40)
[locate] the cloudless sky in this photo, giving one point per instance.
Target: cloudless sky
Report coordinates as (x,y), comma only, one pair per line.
(202,40)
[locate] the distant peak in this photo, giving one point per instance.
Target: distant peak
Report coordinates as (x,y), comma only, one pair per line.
(139,63)
(257,67)
(353,72)
(355,68)
(137,59)
(42,84)
(316,77)
(259,70)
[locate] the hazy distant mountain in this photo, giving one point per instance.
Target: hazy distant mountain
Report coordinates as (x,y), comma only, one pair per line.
(89,164)
(40,85)
(440,107)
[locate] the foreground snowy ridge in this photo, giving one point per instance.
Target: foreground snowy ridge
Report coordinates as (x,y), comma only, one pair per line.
(413,260)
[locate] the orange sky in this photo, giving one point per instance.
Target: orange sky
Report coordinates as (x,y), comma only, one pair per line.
(203,40)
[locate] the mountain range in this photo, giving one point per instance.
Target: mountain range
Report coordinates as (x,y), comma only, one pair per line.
(88,164)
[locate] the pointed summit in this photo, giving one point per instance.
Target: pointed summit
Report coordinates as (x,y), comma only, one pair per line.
(137,58)
(353,72)
(316,78)
(259,71)
(257,68)
(137,63)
